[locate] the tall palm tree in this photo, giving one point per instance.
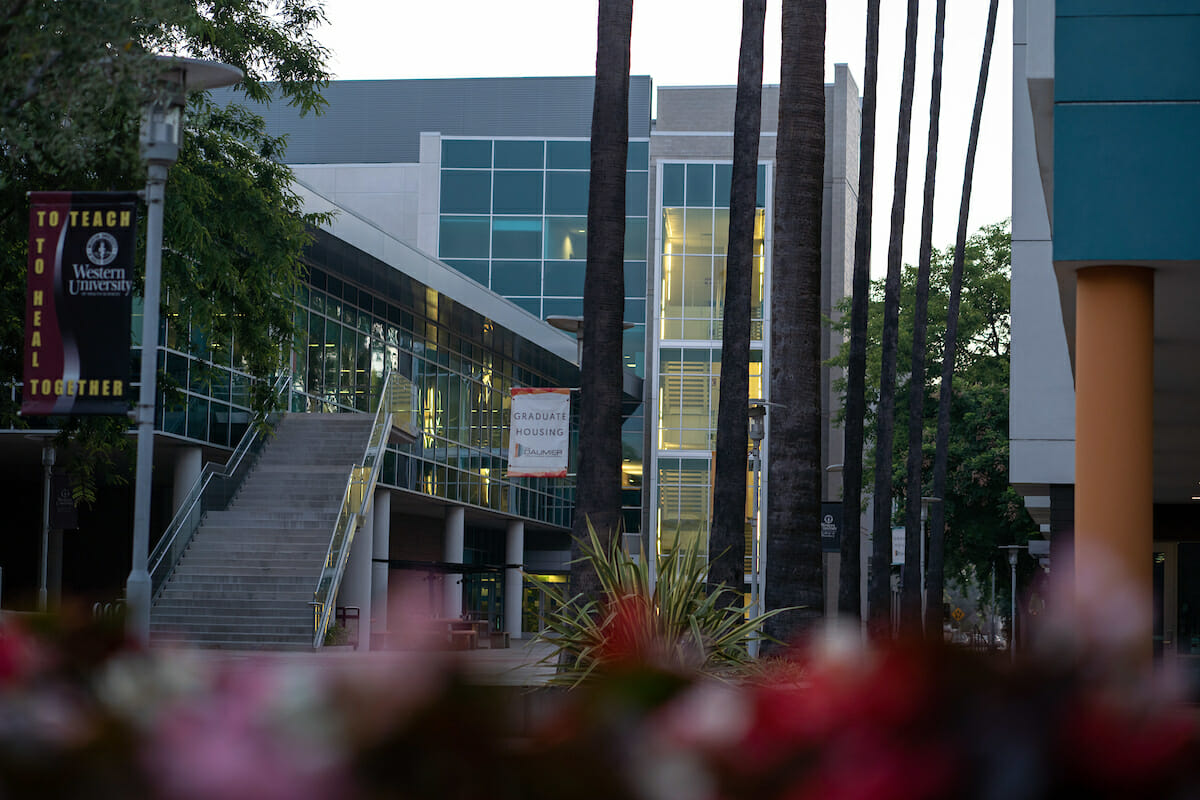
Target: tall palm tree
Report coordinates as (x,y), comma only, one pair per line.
(881,529)
(937,520)
(727,541)
(910,603)
(598,486)
(849,591)
(793,546)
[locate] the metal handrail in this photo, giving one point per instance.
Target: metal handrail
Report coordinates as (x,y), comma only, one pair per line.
(212,490)
(356,499)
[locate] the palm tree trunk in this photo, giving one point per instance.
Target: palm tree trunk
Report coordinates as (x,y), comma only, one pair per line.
(937,519)
(727,541)
(598,487)
(850,592)
(911,600)
(880,589)
(793,547)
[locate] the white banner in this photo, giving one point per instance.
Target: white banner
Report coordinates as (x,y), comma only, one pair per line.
(539,433)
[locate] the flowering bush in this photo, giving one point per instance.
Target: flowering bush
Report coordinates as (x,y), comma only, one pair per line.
(82,715)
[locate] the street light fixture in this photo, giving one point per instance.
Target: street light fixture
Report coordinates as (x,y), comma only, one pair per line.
(574,324)
(160,138)
(1013,549)
(758,413)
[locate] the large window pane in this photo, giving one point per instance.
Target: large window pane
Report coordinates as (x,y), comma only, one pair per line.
(724,178)
(566,192)
(519,155)
(699,185)
(475,270)
(517,277)
(699,237)
(516,237)
(635,238)
(672,188)
(464,237)
(517,193)
(638,156)
(635,278)
(466,191)
(565,278)
(636,191)
(672,288)
(466,153)
(697,287)
(568,155)
(566,308)
(566,237)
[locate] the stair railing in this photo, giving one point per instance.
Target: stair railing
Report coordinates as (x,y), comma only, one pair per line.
(213,490)
(395,409)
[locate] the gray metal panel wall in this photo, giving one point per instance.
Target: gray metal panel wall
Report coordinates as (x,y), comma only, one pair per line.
(380,122)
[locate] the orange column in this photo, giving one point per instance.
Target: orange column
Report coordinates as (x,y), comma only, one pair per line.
(1114,435)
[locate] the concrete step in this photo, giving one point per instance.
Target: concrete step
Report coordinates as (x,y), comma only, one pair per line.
(248,576)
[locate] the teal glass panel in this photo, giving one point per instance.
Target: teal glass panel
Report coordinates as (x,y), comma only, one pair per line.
(724,178)
(470,153)
(519,155)
(635,238)
(218,424)
(516,237)
(464,237)
(475,270)
(635,278)
(565,278)
(636,191)
(531,304)
(466,191)
(672,188)
(634,350)
(566,192)
(699,185)
(517,193)
(635,310)
(762,186)
(569,155)
(197,422)
(566,237)
(517,277)
(566,308)
(638,156)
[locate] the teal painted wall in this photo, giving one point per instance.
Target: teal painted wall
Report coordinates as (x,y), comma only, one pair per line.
(1126,130)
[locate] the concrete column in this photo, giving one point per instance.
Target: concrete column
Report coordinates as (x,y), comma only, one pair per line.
(381,552)
(453,554)
(514,559)
(356,582)
(189,462)
(1114,432)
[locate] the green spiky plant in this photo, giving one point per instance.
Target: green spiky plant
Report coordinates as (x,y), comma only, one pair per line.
(680,625)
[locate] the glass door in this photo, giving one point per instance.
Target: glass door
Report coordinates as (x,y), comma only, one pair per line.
(1177,608)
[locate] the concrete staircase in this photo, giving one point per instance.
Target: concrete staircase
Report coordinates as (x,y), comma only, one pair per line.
(247,578)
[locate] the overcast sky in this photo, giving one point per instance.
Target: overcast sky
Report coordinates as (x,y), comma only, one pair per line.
(696,43)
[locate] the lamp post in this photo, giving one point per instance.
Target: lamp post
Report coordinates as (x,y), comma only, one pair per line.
(47,471)
(160,138)
(925,503)
(1012,614)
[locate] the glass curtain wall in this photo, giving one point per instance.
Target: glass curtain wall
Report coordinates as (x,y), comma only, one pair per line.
(691,247)
(514,218)
(462,369)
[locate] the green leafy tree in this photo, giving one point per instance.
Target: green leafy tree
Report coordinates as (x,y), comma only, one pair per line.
(981,509)
(71,87)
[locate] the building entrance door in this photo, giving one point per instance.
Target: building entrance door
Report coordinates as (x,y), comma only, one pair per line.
(1177,608)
